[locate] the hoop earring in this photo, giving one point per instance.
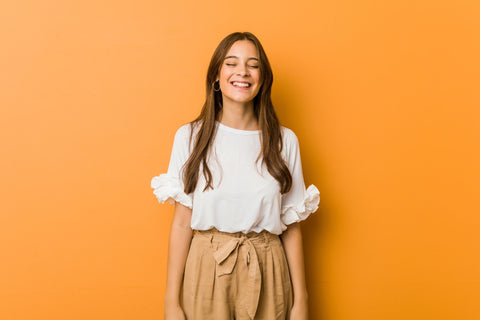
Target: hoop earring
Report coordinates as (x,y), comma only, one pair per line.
(214,89)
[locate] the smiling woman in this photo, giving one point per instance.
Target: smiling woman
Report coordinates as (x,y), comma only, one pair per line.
(236,175)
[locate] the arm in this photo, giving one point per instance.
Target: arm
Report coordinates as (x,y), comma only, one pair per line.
(292,242)
(179,245)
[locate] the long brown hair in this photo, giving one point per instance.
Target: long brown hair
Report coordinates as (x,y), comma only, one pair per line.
(271,137)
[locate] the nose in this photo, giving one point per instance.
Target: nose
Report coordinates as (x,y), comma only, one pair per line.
(242,70)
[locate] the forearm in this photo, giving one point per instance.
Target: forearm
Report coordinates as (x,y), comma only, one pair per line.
(292,242)
(179,245)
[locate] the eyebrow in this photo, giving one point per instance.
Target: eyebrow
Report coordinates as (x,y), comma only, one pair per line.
(251,58)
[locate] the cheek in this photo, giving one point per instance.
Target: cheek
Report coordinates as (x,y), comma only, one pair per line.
(222,74)
(258,81)
(257,78)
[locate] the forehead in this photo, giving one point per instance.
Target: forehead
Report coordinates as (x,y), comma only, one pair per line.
(243,48)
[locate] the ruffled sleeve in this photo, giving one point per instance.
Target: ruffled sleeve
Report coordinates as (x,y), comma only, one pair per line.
(169,186)
(299,202)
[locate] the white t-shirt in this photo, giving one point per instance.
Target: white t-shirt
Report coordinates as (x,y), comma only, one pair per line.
(245,197)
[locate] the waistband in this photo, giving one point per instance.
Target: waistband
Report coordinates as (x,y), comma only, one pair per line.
(252,235)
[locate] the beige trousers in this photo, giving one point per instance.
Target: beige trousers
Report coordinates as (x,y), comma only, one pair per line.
(236,276)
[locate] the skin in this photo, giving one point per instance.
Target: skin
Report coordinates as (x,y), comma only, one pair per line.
(179,245)
(241,64)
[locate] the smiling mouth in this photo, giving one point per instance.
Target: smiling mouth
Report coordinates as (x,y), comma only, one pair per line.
(240,84)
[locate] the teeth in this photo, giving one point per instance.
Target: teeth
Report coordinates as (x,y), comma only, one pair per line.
(240,84)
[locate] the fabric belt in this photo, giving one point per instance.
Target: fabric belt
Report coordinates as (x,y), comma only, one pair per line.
(226,257)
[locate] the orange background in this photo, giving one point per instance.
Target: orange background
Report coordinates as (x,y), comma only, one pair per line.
(384,97)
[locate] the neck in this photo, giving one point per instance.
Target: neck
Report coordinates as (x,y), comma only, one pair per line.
(238,116)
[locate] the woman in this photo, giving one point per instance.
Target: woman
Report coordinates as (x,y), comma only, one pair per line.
(235,175)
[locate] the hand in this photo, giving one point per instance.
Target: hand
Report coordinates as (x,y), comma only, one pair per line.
(299,311)
(174,312)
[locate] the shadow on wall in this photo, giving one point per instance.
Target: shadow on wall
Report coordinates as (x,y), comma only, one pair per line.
(288,100)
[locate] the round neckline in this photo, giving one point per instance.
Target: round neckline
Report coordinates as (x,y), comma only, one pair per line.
(234,130)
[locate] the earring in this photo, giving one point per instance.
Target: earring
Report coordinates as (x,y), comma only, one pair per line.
(216,82)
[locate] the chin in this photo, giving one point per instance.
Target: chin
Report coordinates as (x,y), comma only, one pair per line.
(243,100)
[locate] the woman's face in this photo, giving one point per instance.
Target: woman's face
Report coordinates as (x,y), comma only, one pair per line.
(240,75)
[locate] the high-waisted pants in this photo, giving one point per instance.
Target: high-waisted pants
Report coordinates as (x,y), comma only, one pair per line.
(236,276)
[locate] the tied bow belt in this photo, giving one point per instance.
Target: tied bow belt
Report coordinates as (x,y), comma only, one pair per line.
(226,256)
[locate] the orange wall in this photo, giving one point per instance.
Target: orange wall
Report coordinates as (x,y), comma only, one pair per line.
(384,97)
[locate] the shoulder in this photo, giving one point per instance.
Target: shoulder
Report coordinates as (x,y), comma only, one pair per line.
(289,138)
(184,136)
(290,146)
(185,130)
